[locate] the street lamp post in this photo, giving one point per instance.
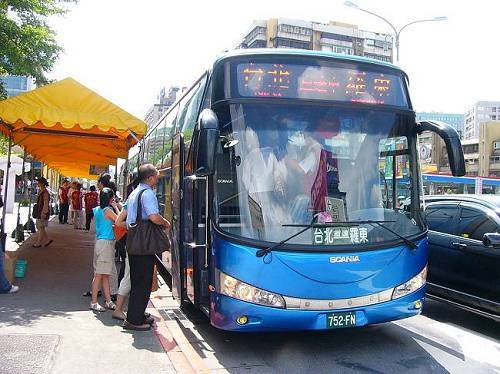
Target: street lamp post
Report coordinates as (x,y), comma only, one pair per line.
(397,32)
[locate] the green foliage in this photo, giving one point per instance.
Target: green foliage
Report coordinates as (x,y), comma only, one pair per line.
(27,43)
(4,145)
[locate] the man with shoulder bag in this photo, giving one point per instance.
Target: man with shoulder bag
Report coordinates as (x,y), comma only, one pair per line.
(146,238)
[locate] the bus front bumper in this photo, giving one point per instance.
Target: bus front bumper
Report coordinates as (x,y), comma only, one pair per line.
(226,311)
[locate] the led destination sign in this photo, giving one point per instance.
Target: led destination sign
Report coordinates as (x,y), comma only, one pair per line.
(320,83)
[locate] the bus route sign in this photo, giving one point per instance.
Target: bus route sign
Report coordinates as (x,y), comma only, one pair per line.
(340,235)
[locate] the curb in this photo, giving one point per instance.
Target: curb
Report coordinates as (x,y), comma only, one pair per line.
(183,362)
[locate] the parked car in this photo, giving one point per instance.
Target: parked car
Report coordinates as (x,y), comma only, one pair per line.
(464,251)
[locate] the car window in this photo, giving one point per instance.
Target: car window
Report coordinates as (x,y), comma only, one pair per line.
(440,218)
(474,224)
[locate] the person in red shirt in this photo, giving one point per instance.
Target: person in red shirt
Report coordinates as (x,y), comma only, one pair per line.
(76,201)
(91,201)
(63,202)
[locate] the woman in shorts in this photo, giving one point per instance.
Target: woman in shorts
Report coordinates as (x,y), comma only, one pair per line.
(104,249)
(42,214)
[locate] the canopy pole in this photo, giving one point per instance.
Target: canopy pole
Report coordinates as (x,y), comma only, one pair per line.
(3,237)
(30,225)
(19,232)
(125,179)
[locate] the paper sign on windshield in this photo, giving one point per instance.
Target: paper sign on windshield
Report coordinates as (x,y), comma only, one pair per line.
(340,235)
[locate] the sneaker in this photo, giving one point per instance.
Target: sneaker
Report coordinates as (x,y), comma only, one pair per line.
(97,307)
(13,289)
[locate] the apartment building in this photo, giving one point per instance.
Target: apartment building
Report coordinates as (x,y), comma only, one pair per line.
(335,37)
(165,99)
(480,112)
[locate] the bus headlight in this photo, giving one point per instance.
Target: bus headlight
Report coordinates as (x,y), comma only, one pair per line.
(412,285)
(237,289)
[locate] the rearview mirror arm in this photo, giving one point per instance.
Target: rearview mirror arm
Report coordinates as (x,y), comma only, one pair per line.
(452,141)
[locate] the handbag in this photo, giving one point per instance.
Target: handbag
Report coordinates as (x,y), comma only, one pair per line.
(145,237)
(119,231)
(154,283)
(36,211)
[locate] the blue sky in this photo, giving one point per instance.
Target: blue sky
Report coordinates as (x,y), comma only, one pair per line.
(127,50)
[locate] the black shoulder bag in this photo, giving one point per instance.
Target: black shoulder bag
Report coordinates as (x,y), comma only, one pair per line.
(145,237)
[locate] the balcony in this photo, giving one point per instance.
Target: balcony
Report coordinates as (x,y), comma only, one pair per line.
(257,37)
(334,42)
(495,163)
(294,36)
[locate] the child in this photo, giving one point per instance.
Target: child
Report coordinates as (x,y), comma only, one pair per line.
(104,249)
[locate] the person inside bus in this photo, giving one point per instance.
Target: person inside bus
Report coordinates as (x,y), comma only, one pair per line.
(304,153)
(263,175)
(364,198)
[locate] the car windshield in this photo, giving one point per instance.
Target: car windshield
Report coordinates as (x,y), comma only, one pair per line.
(280,164)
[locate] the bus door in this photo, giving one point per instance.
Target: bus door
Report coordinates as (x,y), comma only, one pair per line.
(177,252)
(194,227)
(163,194)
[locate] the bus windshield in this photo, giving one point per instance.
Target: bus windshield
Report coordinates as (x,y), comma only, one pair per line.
(281,165)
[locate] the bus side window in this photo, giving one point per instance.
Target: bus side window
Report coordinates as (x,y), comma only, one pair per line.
(166,133)
(188,118)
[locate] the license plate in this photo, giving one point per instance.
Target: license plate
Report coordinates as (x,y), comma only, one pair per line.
(340,320)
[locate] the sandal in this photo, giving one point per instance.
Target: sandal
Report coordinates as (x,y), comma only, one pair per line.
(97,307)
(110,305)
(49,243)
(36,246)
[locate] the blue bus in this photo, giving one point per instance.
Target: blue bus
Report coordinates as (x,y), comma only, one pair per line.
(283,174)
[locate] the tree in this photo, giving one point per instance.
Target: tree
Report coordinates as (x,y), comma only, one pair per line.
(27,43)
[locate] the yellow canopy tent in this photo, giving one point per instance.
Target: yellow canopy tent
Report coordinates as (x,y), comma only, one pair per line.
(70,127)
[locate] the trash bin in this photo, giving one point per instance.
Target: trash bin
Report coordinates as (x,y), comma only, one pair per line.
(20,268)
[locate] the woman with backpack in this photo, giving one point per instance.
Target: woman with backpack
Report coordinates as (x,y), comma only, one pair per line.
(41,212)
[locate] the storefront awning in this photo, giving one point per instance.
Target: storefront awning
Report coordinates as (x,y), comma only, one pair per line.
(70,127)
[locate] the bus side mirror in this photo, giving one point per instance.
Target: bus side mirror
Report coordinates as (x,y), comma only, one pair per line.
(208,138)
(451,140)
(491,240)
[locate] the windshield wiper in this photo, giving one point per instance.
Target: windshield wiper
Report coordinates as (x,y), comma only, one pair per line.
(407,241)
(265,251)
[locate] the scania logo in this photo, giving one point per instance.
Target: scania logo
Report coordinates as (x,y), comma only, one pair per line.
(224,181)
(335,259)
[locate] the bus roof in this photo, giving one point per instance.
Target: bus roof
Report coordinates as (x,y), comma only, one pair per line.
(302,52)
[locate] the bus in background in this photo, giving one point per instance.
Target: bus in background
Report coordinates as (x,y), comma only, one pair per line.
(283,174)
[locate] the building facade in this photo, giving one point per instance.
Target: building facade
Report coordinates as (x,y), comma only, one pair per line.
(480,112)
(454,119)
(17,84)
(482,161)
(332,37)
(164,100)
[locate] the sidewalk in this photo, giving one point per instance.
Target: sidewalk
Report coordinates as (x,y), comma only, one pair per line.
(48,328)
